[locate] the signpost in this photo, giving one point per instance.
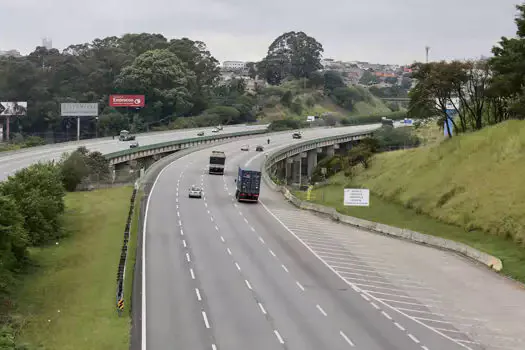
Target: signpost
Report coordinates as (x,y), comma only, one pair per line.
(357,197)
(79,110)
(9,109)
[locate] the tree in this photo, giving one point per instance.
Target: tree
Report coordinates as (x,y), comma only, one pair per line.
(369,78)
(333,80)
(165,79)
(252,69)
(291,54)
(406,83)
(391,80)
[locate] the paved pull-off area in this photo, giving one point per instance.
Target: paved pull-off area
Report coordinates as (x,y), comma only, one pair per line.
(226,275)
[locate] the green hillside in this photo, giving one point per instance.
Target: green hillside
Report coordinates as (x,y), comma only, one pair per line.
(474,181)
(292,100)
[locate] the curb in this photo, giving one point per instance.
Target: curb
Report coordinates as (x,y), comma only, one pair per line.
(492,262)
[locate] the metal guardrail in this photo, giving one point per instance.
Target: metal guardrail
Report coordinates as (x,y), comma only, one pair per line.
(121,273)
(171,144)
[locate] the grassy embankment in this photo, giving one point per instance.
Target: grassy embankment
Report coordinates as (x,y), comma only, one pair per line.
(313,102)
(469,189)
(68,301)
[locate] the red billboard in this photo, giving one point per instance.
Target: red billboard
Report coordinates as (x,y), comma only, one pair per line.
(126,100)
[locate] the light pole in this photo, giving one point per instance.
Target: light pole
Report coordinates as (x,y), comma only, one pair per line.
(96,127)
(427,49)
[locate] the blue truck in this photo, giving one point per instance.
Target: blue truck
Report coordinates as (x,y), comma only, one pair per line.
(248,185)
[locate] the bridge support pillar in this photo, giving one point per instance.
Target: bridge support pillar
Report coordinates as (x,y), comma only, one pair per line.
(288,170)
(330,151)
(312,162)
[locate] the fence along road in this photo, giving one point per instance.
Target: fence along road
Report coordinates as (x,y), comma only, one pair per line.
(224,275)
(13,161)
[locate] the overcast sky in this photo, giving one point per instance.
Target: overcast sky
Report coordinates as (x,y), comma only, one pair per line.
(383,31)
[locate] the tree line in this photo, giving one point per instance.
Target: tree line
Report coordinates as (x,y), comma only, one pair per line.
(478,92)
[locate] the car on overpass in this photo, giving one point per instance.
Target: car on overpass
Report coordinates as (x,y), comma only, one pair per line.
(134,144)
(215,130)
(200,133)
(245,148)
(259,148)
(297,135)
(195,192)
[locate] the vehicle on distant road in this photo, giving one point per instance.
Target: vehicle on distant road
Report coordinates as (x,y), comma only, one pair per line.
(215,130)
(200,133)
(217,161)
(134,144)
(259,148)
(219,127)
(195,192)
(297,135)
(126,136)
(245,148)
(248,185)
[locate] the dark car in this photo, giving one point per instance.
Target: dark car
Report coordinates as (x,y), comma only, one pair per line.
(259,148)
(297,135)
(200,133)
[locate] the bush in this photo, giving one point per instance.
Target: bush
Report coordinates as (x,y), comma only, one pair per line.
(394,138)
(81,165)
(227,114)
(286,124)
(373,118)
(39,196)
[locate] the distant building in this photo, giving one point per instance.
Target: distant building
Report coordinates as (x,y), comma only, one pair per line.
(233,65)
(10,53)
(47,43)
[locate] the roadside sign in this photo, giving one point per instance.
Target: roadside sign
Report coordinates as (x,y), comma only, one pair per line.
(357,197)
(135,101)
(13,108)
(79,109)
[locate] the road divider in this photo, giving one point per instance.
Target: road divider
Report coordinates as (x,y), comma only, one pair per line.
(413,236)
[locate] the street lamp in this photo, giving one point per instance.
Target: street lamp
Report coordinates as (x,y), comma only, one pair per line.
(96,127)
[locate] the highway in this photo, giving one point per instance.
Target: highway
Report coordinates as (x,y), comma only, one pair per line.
(10,162)
(225,275)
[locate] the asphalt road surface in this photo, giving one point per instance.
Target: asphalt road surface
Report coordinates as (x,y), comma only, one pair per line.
(10,162)
(226,275)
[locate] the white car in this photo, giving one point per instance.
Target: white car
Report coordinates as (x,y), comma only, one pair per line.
(215,130)
(245,148)
(195,192)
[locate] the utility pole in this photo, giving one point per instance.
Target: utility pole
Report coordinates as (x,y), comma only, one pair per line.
(427,49)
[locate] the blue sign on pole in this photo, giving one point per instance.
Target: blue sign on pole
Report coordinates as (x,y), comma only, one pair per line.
(450,114)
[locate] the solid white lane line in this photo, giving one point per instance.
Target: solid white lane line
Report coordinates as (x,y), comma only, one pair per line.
(192,274)
(278,336)
(262,240)
(229,251)
(299,285)
(198,294)
(346,338)
(284,268)
(424,347)
(205,317)
(413,338)
(386,315)
(248,284)
(321,310)
(184,243)
(237,266)
(375,305)
(271,252)
(365,297)
(222,239)
(399,326)
(245,220)
(262,308)
(188,257)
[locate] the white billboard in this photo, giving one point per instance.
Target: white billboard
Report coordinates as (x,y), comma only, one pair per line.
(13,108)
(357,197)
(79,109)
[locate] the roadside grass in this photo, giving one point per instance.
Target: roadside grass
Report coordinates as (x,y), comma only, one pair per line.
(394,214)
(68,300)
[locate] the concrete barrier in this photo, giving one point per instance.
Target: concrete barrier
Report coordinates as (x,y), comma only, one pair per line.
(417,237)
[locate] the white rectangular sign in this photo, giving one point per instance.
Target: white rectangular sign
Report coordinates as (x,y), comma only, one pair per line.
(13,108)
(79,109)
(357,197)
